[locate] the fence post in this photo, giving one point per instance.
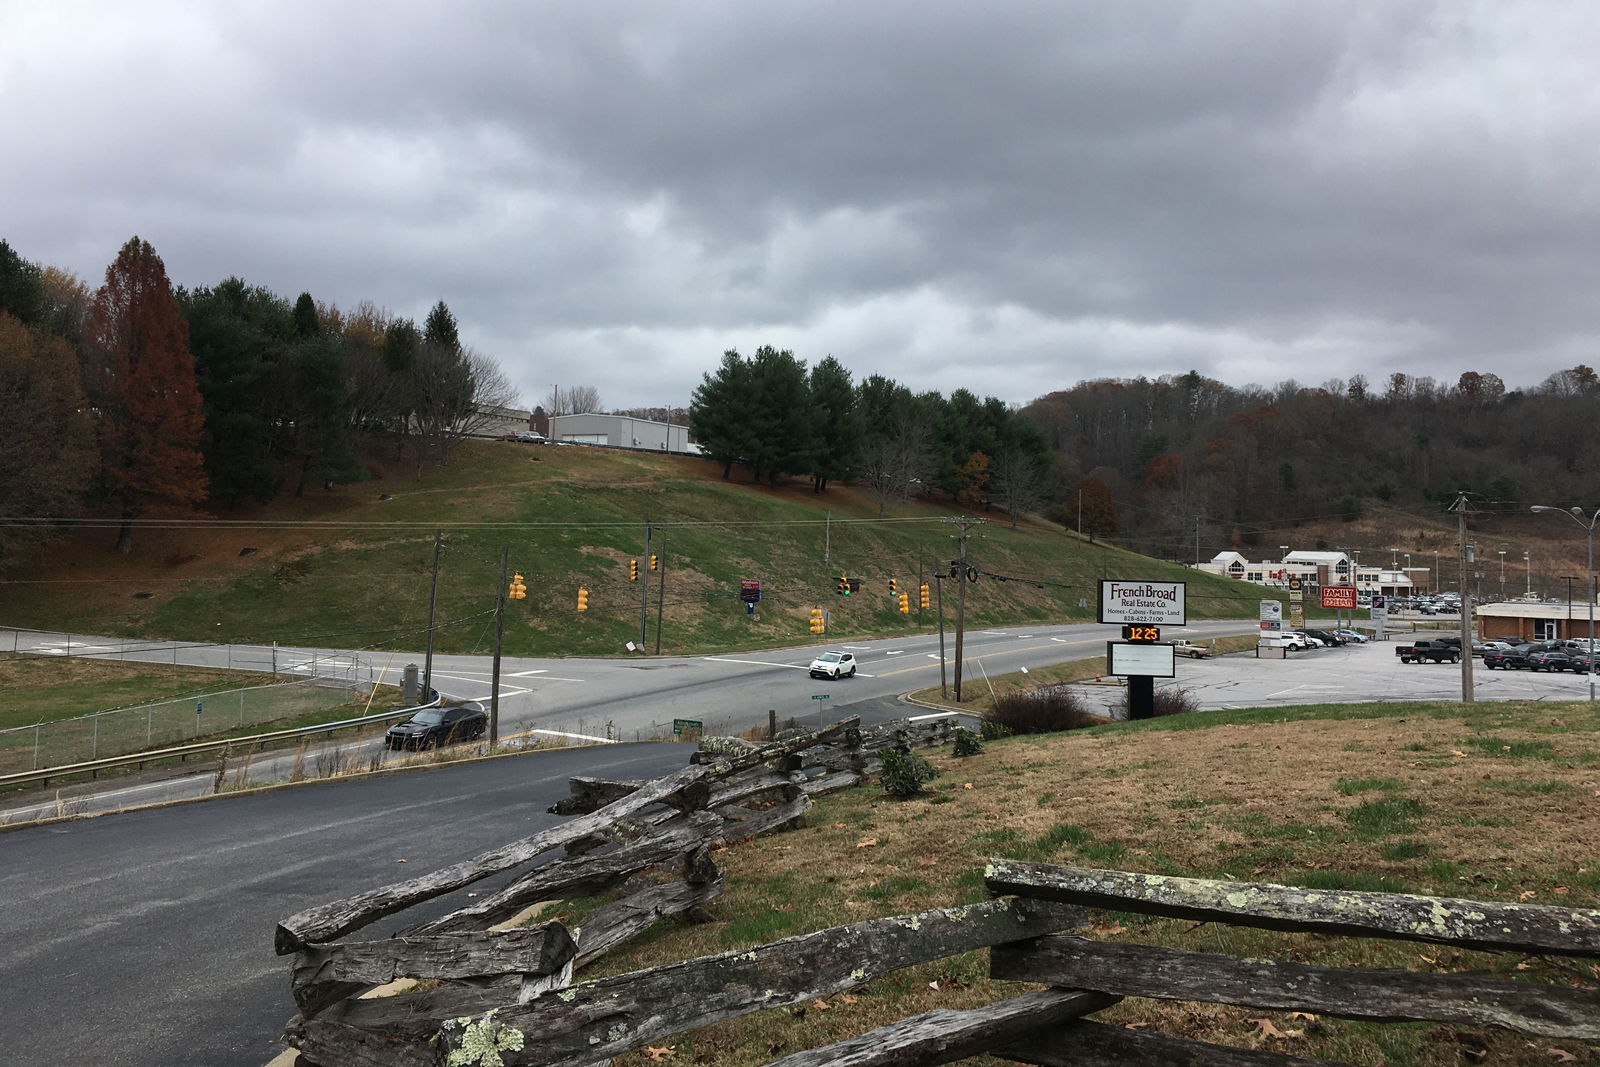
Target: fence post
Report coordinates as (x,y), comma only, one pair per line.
(230,655)
(274,661)
(174,653)
(241,707)
(94,744)
(35,746)
(149,710)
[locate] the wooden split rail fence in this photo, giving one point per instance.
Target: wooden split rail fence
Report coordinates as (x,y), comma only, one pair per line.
(512,991)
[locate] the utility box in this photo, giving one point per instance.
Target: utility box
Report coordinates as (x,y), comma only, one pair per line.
(409,684)
(1266,651)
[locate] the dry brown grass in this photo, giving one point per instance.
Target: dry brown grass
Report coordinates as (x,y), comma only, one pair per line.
(1508,805)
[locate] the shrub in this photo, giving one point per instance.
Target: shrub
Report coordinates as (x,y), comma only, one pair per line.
(966,742)
(1170,701)
(1043,711)
(990,730)
(904,772)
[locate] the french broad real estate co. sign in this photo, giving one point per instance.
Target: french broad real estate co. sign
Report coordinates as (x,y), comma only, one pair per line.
(1157,603)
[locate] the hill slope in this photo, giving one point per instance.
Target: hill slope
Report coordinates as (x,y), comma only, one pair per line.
(360,579)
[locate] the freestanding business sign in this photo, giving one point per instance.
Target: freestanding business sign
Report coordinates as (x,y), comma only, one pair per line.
(1339,597)
(750,589)
(1147,603)
(1380,615)
(1297,604)
(1271,617)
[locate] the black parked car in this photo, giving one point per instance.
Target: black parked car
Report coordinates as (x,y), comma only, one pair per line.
(1550,661)
(1510,659)
(1331,640)
(440,726)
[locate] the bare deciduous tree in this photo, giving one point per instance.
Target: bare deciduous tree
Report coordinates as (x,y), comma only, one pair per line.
(879,472)
(574,400)
(910,443)
(491,392)
(1018,483)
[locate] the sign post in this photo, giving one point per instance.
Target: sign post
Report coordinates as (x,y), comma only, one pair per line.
(1141,657)
(1380,616)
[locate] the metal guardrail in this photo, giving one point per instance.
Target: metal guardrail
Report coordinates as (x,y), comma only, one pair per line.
(44,774)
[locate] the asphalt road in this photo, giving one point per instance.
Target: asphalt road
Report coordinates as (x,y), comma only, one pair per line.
(145,939)
(641,696)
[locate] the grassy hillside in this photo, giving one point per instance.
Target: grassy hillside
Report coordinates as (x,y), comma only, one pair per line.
(363,580)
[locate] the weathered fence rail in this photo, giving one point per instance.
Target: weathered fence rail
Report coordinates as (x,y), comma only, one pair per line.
(514,989)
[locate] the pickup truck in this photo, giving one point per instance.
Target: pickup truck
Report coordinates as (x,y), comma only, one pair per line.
(1433,651)
(1184,648)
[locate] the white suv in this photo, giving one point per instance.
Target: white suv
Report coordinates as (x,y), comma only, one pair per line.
(834,665)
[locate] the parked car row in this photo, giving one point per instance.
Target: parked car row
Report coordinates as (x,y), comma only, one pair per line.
(1305,638)
(527,437)
(1515,653)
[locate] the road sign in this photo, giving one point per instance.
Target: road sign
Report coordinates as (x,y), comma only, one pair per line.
(1272,616)
(750,590)
(682,726)
(199,706)
(1339,597)
(1138,658)
(1150,603)
(821,696)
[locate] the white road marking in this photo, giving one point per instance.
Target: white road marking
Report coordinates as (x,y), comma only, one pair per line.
(1061,640)
(894,652)
(581,737)
(527,674)
(754,662)
(995,633)
(933,655)
(941,715)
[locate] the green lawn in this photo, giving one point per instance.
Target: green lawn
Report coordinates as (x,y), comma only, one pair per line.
(368,587)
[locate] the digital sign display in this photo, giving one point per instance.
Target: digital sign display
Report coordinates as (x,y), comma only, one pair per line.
(1141,633)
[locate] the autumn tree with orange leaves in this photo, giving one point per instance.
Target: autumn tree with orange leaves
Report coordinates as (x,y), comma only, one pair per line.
(143,391)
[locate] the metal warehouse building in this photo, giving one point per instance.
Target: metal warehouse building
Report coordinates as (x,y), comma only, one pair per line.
(621,431)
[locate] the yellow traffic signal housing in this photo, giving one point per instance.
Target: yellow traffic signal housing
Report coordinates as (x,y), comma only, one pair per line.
(583,599)
(518,590)
(924,592)
(905,603)
(654,564)
(633,570)
(817,625)
(893,588)
(844,586)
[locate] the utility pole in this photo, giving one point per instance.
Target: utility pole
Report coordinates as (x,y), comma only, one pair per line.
(644,587)
(827,536)
(1527,571)
(922,580)
(433,602)
(963,524)
(499,633)
(1197,540)
(1502,573)
(938,585)
(1460,507)
(661,592)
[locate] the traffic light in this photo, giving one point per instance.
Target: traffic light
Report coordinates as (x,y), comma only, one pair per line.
(518,590)
(633,570)
(655,564)
(817,625)
(844,586)
(583,599)
(893,588)
(924,593)
(905,603)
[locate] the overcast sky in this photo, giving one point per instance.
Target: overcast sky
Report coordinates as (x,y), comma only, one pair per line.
(1006,197)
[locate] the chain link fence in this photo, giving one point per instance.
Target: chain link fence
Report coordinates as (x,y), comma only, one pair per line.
(164,723)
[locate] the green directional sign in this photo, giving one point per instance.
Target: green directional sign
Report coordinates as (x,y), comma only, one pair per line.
(679,726)
(821,696)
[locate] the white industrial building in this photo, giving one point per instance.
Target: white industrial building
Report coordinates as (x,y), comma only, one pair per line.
(1319,568)
(622,431)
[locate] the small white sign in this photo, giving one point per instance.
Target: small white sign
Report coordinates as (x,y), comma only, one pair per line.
(630,646)
(1271,616)
(1134,657)
(1146,603)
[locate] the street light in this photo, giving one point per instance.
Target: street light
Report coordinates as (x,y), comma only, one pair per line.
(1502,574)
(1576,515)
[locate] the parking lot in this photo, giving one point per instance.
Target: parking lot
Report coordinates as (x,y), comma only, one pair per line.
(1352,673)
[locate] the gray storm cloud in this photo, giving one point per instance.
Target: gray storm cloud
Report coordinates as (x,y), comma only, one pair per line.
(1007,198)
